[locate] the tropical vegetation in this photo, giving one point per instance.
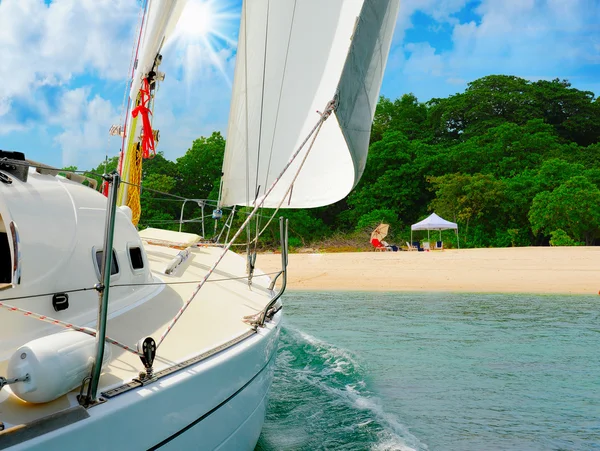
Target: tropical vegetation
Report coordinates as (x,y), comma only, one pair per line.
(514,162)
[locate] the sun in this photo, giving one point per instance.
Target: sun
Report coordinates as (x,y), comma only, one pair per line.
(197,19)
(203,33)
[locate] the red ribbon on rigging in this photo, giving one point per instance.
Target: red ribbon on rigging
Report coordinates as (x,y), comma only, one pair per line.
(142,108)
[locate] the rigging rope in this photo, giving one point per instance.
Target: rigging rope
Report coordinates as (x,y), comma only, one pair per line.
(290,187)
(138,151)
(323,117)
(135,175)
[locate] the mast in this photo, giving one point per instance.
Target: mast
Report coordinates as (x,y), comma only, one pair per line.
(139,139)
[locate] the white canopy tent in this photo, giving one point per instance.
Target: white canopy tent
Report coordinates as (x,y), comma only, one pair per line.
(434,222)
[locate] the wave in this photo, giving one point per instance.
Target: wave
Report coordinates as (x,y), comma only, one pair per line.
(320,394)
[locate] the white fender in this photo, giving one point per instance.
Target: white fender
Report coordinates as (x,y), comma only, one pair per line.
(56,364)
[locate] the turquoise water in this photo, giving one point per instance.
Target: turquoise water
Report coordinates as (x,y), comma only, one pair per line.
(405,371)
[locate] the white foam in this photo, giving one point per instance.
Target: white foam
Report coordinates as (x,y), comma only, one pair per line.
(391,444)
(395,437)
(339,360)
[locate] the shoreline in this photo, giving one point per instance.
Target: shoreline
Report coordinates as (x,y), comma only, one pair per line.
(541,270)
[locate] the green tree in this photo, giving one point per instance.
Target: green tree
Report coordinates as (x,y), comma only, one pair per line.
(573,113)
(372,219)
(493,100)
(406,115)
(393,180)
(158,210)
(560,238)
(488,102)
(467,199)
(160,165)
(200,168)
(573,207)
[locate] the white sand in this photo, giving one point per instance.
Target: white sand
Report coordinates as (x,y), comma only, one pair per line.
(574,270)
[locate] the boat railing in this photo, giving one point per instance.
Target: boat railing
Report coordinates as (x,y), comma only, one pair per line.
(283,230)
(103,288)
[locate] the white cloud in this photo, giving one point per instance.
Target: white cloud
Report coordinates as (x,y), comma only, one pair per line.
(49,44)
(440,10)
(423,60)
(457,81)
(516,35)
(549,38)
(85,122)
(4,105)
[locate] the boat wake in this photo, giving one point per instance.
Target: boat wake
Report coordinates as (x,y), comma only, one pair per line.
(320,400)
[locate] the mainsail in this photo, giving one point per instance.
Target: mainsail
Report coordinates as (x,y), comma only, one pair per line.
(295,56)
(159,21)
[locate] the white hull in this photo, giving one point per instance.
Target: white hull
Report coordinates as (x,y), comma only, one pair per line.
(217,403)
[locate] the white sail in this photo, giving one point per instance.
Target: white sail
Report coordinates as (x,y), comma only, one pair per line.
(293,58)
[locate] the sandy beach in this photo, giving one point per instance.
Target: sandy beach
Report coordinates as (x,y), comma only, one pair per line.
(568,270)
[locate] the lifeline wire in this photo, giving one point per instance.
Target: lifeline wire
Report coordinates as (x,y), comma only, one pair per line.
(189,281)
(71,326)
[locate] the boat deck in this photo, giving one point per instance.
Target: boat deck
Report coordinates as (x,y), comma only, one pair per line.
(212,321)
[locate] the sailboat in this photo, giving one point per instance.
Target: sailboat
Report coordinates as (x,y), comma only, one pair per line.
(118,338)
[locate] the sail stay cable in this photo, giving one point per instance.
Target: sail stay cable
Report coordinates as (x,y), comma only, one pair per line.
(287,52)
(252,257)
(247,146)
(262,100)
(123,165)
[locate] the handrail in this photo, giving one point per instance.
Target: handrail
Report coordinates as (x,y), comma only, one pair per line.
(283,230)
(201,203)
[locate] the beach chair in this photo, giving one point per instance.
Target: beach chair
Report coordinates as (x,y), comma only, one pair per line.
(378,245)
(439,245)
(417,246)
(390,247)
(426,246)
(409,247)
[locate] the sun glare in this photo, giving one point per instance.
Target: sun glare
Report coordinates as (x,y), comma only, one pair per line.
(197,19)
(203,35)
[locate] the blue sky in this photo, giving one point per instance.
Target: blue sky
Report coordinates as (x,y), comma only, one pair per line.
(65,64)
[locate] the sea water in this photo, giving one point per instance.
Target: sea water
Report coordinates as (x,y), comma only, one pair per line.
(406,371)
